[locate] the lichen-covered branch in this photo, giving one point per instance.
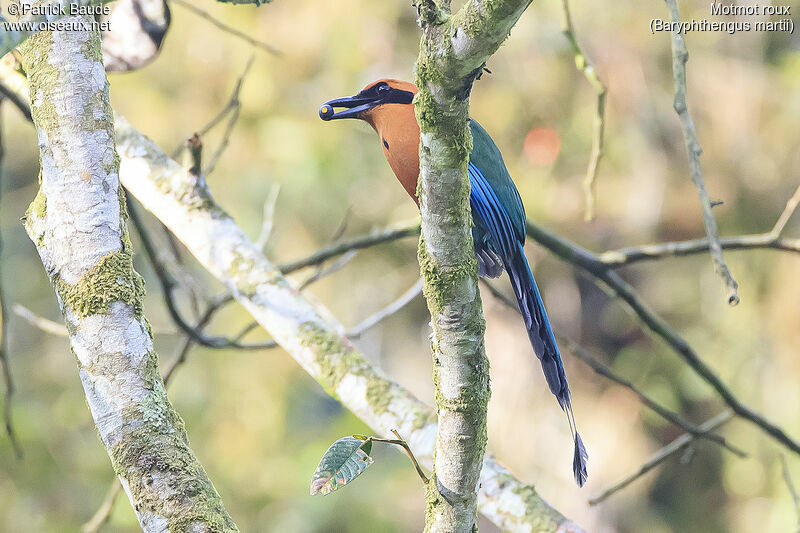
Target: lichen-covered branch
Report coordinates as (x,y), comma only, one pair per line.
(506,501)
(680,55)
(78,223)
(306,331)
(453,51)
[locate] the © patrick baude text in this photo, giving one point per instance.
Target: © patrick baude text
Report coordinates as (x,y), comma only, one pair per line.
(53,17)
(755,17)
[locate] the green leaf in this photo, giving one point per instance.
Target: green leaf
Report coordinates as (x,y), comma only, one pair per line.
(367,447)
(345,460)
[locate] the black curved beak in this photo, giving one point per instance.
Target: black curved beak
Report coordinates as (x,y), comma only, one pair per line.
(354,104)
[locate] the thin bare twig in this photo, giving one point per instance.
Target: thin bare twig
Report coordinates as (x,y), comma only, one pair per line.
(4,363)
(168,286)
(583,354)
(188,342)
(358,243)
(689,427)
(232,107)
(100,517)
(649,252)
(235,106)
(680,55)
(269,216)
(590,263)
(44,324)
(404,299)
(228,29)
(402,443)
(585,66)
(788,211)
(662,455)
(323,271)
(771,239)
(787,478)
(54,328)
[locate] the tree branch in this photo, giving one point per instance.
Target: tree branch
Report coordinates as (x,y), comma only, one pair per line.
(576,255)
(453,51)
(227,29)
(599,368)
(662,455)
(680,55)
(649,252)
(585,66)
(590,263)
(316,343)
(78,224)
(374,238)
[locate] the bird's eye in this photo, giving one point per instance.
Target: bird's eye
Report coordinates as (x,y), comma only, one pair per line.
(384,89)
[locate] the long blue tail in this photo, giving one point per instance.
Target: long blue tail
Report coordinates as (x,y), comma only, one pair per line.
(544,345)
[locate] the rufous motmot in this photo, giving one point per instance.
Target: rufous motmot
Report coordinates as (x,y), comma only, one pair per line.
(498,217)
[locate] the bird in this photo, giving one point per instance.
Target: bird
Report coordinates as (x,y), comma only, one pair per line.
(498,217)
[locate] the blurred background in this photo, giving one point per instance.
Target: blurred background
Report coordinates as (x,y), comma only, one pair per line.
(259,424)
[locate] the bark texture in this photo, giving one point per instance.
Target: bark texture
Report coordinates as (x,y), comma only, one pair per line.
(78,223)
(453,52)
(163,187)
(306,330)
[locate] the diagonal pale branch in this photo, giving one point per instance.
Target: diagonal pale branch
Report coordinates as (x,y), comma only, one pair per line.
(78,222)
(305,330)
(680,55)
(596,265)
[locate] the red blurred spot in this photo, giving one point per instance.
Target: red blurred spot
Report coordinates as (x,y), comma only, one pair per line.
(542,146)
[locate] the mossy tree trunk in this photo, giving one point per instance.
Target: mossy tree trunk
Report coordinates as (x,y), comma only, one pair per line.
(174,197)
(78,223)
(453,52)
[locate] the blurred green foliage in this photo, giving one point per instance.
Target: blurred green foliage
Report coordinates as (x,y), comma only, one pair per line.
(259,424)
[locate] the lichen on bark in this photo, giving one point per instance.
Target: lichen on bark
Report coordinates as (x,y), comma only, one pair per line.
(78,222)
(453,51)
